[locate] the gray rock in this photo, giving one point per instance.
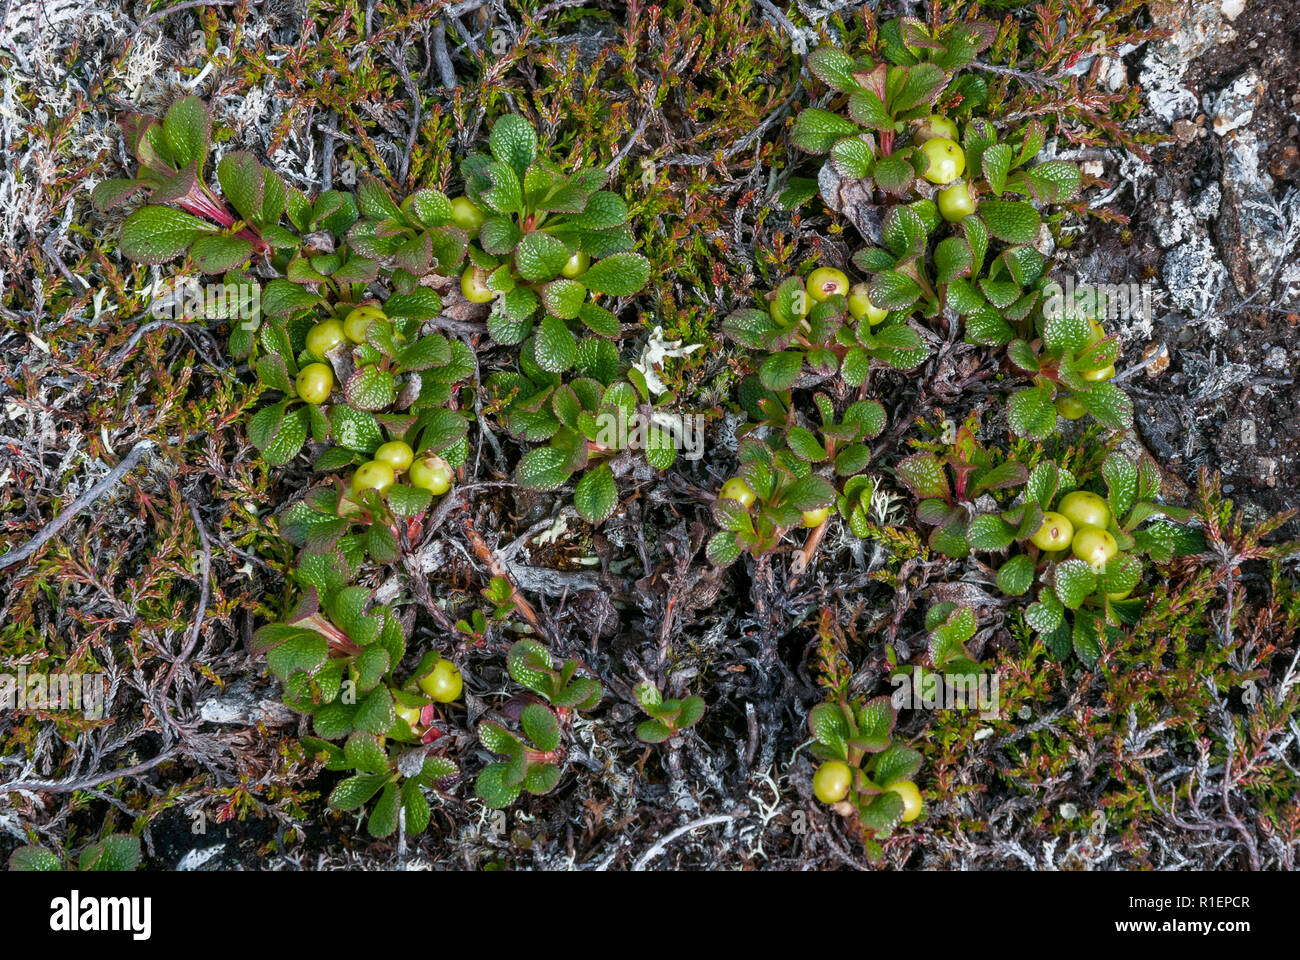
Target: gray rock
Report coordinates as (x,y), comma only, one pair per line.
(243,706)
(1250,230)
(1206,203)
(1195,27)
(1235,104)
(1193,274)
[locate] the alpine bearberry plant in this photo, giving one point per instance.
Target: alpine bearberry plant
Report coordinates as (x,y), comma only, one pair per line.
(534,755)
(118,852)
(864,777)
(1085,549)
(938,145)
(774,492)
(668,717)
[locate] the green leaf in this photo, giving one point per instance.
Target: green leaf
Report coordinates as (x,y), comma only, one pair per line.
(505,193)
(596,494)
(513,141)
(282,297)
(365,753)
(620,275)
(830,727)
(1011,220)
(923,84)
(187,129)
(375,713)
(895,764)
(599,320)
(1108,404)
(416,808)
(431,207)
(603,210)
(1073,582)
(155,235)
(1047,614)
(809,493)
(32,858)
(924,475)
(876,722)
(288,440)
(354,429)
(240,176)
(952,259)
(866,108)
(891,290)
(499,235)
(540,726)
(355,791)
(564,298)
(1042,483)
(723,549)
(651,731)
(884,812)
(834,68)
(540,256)
(371,388)
(852,158)
(815,131)
(798,192)
(217,254)
(1121,574)
(375,201)
(996,163)
(1087,642)
(1016,575)
(109,194)
(492,789)
(1052,182)
(555,346)
(990,532)
(1121,475)
(542,778)
(805,445)
(1031,413)
(542,468)
(780,370)
(119,853)
(893,175)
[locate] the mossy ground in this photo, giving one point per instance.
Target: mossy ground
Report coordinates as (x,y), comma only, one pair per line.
(1180,749)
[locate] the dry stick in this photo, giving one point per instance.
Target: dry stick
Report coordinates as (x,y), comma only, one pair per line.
(417,110)
(177,8)
(81,503)
(446,72)
(134,340)
(205,566)
(805,555)
(1031,79)
(497,569)
(660,845)
(85,783)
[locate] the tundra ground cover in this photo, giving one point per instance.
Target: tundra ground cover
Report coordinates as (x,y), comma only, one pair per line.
(898,451)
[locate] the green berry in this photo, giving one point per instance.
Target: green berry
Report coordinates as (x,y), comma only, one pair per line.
(737,489)
(466,214)
(432,473)
(314,383)
(396,454)
(473,284)
(359,320)
(373,475)
(324,337)
(832,780)
(443,683)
